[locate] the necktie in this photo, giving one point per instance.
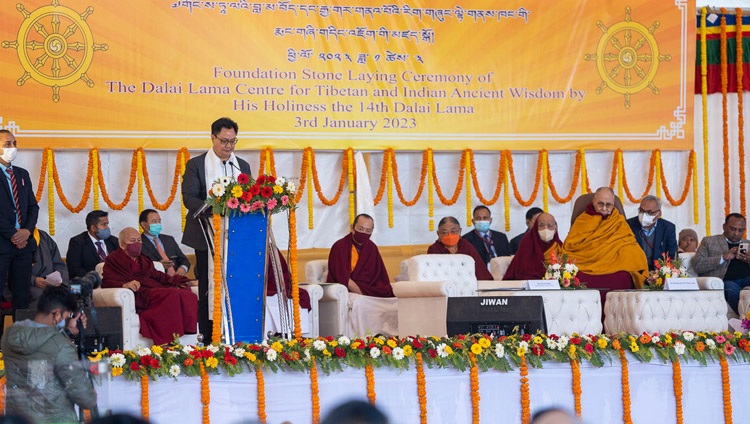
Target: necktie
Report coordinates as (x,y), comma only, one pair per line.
(14,186)
(163,254)
(100,251)
(488,244)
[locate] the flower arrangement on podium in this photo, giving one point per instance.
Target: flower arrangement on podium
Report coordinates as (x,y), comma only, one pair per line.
(665,267)
(266,194)
(564,270)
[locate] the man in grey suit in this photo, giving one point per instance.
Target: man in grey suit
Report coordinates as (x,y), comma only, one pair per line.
(160,247)
(720,256)
(200,172)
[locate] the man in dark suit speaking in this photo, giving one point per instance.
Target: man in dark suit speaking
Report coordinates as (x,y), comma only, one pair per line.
(92,246)
(200,172)
(18,215)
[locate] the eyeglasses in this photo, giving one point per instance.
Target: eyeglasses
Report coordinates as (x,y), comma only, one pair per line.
(605,205)
(226,142)
(652,213)
(446,232)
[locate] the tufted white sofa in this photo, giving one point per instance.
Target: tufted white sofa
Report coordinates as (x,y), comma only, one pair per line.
(334,304)
(423,298)
(711,283)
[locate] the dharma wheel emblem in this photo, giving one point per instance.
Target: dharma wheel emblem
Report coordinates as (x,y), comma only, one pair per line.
(55,46)
(627,57)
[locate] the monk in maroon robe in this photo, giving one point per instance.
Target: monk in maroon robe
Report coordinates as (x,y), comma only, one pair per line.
(355,261)
(535,250)
(304,297)
(450,241)
(165,305)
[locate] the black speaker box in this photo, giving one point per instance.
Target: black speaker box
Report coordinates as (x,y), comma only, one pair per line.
(497,315)
(109,322)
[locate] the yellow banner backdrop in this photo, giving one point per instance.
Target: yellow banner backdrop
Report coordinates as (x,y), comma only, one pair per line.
(519,74)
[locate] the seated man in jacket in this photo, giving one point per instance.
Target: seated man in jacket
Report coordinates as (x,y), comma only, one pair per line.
(654,234)
(161,247)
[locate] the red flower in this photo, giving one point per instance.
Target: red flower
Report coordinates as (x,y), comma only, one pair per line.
(339,352)
(94,369)
(589,348)
(231,360)
(155,363)
(285,356)
(387,350)
(261,180)
(145,361)
(526,337)
(460,337)
(271,179)
(537,350)
(253,347)
(457,345)
(207,354)
(266,192)
(329,338)
(553,337)
(134,366)
(196,354)
(432,353)
(502,339)
(247,195)
(254,190)
(371,345)
(575,341)
(243,178)
(188,362)
(417,344)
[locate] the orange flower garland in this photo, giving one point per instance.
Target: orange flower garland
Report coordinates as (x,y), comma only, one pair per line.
(537,177)
(383,176)
(740,114)
(498,186)
(397,181)
(585,185)
(573,184)
(178,170)
(726,390)
(261,394)
(42,176)
(474,378)
(145,412)
(446,201)
(314,393)
(342,178)
(686,187)
(626,416)
(128,192)
(704,103)
(724,114)
(649,182)
(421,389)
(575,368)
(467,161)
(615,166)
(677,381)
(2,393)
(620,172)
(262,161)
(525,398)
(86,188)
(216,330)
(370,379)
(430,193)
(294,271)
(205,394)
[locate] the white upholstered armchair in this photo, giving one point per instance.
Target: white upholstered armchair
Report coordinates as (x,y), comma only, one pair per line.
(333,306)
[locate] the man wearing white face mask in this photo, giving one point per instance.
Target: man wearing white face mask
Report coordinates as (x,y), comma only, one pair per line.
(18,215)
(655,235)
(488,243)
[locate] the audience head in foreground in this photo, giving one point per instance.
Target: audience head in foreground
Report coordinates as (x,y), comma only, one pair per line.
(488,243)
(450,242)
(554,416)
(355,412)
(535,250)
(688,241)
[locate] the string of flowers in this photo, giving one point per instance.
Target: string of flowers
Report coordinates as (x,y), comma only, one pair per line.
(261,394)
(626,415)
(397,181)
(183,210)
(498,186)
(615,167)
(677,382)
(58,187)
(139,174)
(726,389)
(309,174)
(421,389)
(537,177)
(724,113)
(575,368)
(446,201)
(270,161)
(649,182)
(370,380)
(351,180)
(694,164)
(216,328)
(430,193)
(2,393)
(573,184)
(740,115)
(47,155)
(585,185)
(383,176)
(42,176)
(389,185)
(129,190)
(205,394)
(620,172)
(145,411)
(178,170)
(294,271)
(704,105)
(686,186)
(262,162)
(506,192)
(342,178)
(467,165)
(314,393)
(95,176)
(659,173)
(474,378)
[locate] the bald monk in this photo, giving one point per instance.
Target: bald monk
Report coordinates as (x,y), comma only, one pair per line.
(165,304)
(355,261)
(603,246)
(535,250)
(450,241)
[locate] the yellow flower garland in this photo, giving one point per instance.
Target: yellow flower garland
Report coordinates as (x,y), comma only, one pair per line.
(351,180)
(294,271)
(50,190)
(677,382)
(430,194)
(389,188)
(584,173)
(145,411)
(139,174)
(506,192)
(95,172)
(545,181)
(704,98)
(184,156)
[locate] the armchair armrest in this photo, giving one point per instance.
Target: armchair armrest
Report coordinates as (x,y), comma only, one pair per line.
(315,291)
(710,283)
(404,289)
(121,297)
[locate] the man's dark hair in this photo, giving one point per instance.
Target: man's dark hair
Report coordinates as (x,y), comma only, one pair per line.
(355,412)
(480,207)
(538,415)
(362,215)
(448,219)
(734,215)
(93,218)
(143,217)
(222,123)
(56,297)
(531,212)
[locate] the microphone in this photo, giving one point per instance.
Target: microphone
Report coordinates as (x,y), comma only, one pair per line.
(233,165)
(200,211)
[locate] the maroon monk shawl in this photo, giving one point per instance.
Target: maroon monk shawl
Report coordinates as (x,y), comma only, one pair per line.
(369,273)
(304,298)
(464,247)
(528,263)
(165,305)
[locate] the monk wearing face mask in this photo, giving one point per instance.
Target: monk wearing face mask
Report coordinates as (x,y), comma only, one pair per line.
(535,250)
(450,241)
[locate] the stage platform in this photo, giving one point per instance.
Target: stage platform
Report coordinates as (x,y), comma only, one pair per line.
(288,394)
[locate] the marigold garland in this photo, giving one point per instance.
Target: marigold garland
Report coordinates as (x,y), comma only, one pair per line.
(294,271)
(446,201)
(205,394)
(506,192)
(677,382)
(575,368)
(740,115)
(704,105)
(686,187)
(573,184)
(585,185)
(726,390)
(129,190)
(145,411)
(421,388)
(626,415)
(184,157)
(620,172)
(42,176)
(351,181)
(397,181)
(649,182)
(314,393)
(139,175)
(383,176)
(58,187)
(659,173)
(615,167)
(47,154)
(724,113)
(467,165)
(537,177)
(370,379)
(498,186)
(430,193)
(525,398)
(545,180)
(178,170)
(316,182)
(95,176)
(474,378)
(2,393)
(261,394)
(694,164)
(389,196)
(216,328)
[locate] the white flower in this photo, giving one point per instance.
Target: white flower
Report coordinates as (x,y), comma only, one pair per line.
(499,350)
(688,336)
(307,354)
(374,352)
(562,343)
(271,355)
(225,180)
(187,349)
(291,187)
(319,344)
(344,341)
(239,352)
(117,360)
(679,348)
(173,352)
(281,181)
(264,343)
(217,190)
(556,267)
(212,348)
(174,370)
(665,270)
(398,353)
(551,344)
(142,351)
(571,268)
(711,344)
(655,339)
(523,345)
(441,350)
(556,275)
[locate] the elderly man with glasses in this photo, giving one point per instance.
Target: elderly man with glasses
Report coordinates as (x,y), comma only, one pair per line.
(450,242)
(655,235)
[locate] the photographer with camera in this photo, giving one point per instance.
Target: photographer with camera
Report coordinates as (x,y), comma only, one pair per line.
(45,379)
